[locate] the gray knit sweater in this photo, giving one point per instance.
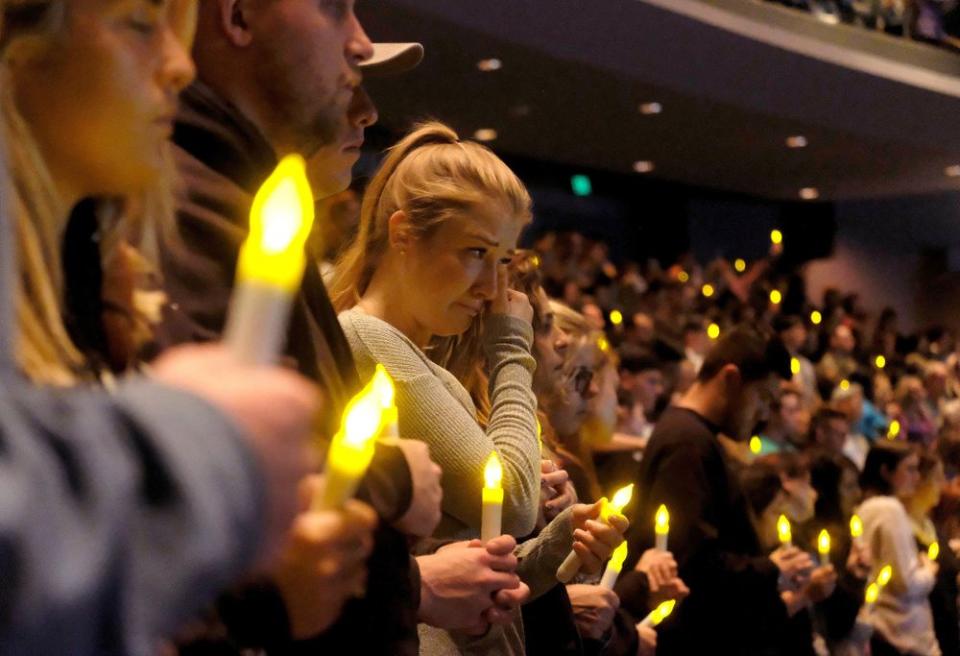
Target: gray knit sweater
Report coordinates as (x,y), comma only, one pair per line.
(434,407)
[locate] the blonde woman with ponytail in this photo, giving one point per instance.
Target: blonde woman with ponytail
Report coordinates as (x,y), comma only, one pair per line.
(438,225)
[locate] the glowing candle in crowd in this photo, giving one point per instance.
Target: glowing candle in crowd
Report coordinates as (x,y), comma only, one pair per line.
(707,290)
(933,551)
(795,366)
(823,547)
(784,532)
(683,276)
(880,361)
(351,449)
(492,498)
(756,445)
(571,564)
(614,566)
(616,317)
(893,430)
(871,595)
(659,613)
(661,526)
(713,331)
(776,297)
(816,318)
(271,263)
(776,237)
(856,528)
(383,385)
(740,265)
(886,573)
(844,385)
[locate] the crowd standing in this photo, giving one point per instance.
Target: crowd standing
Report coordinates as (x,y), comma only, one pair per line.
(156,486)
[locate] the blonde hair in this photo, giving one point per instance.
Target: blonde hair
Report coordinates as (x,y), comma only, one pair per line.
(431,176)
(44,349)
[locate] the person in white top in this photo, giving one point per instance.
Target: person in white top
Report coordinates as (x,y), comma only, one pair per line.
(901,618)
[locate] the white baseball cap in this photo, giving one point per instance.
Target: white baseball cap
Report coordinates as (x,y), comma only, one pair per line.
(392,58)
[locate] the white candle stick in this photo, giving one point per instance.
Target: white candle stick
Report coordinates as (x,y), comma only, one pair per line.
(614,567)
(270,265)
(492,517)
(661,527)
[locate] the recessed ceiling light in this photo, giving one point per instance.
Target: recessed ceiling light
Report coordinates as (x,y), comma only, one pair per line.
(643,166)
(650,108)
(809,193)
(953,171)
(796,141)
(487,65)
(485,134)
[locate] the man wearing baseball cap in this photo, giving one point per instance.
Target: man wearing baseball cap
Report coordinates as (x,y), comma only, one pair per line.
(276,77)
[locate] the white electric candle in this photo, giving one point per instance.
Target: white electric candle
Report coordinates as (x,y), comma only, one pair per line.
(492,517)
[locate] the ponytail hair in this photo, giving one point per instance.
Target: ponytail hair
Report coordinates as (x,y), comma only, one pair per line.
(431,175)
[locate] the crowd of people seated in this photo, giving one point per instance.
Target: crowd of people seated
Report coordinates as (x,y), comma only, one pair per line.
(930,21)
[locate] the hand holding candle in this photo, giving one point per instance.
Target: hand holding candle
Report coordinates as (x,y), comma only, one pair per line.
(571,565)
(492,516)
(614,567)
(351,449)
(661,526)
(270,265)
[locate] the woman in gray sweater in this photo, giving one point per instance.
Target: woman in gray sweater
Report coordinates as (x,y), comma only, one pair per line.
(438,224)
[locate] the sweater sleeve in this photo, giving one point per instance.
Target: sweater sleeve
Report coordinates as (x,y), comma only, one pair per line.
(540,557)
(430,412)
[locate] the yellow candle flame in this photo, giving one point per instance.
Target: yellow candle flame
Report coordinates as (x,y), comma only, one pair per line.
(740,265)
(823,543)
(783,529)
(881,362)
(620,499)
(383,385)
(603,344)
(707,290)
(816,318)
(893,430)
(844,385)
(756,445)
(616,317)
(886,573)
(776,236)
(493,472)
(794,366)
(280,221)
(683,276)
(662,611)
(619,555)
(776,297)
(933,552)
(351,449)
(662,520)
(856,526)
(873,592)
(713,331)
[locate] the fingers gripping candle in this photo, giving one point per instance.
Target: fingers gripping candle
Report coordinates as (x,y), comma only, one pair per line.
(271,262)
(492,516)
(571,564)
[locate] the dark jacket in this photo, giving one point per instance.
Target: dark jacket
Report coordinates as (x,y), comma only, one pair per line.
(222,159)
(734,597)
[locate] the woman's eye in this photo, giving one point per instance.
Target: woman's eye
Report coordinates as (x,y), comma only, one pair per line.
(477,253)
(146,27)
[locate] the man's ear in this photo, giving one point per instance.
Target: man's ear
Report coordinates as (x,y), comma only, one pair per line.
(400,231)
(234,21)
(730,375)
